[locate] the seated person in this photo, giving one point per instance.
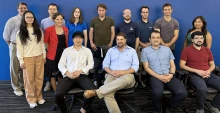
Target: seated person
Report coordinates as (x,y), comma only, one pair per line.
(198,60)
(158,62)
(74,64)
(120,63)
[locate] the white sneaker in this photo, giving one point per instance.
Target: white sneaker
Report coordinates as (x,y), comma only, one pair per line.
(33,105)
(18,93)
(47,86)
(41,101)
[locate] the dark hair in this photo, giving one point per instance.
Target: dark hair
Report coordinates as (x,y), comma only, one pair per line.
(144,7)
(121,34)
(204,30)
(102,6)
(155,31)
(21,3)
(23,34)
(72,19)
(55,15)
(53,4)
(197,33)
(78,34)
(166,5)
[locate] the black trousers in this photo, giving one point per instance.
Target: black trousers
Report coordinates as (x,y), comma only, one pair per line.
(175,86)
(67,84)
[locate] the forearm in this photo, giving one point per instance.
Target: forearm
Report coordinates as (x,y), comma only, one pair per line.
(136,44)
(172,69)
(184,67)
(112,36)
(211,68)
(152,73)
(91,37)
(173,40)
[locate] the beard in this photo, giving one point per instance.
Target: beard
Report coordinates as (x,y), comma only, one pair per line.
(127,18)
(198,44)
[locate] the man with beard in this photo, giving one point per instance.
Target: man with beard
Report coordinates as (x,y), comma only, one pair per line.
(120,63)
(198,60)
(158,62)
(130,29)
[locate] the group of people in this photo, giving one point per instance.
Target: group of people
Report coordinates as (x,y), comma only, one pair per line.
(38,50)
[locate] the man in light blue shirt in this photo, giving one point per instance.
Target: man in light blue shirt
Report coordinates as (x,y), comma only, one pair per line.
(120,63)
(158,62)
(9,35)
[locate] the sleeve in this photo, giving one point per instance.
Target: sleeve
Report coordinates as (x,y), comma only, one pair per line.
(184,55)
(9,26)
(137,33)
(157,24)
(42,44)
(64,22)
(107,59)
(20,49)
(176,25)
(144,56)
(67,25)
(90,63)
(41,25)
(84,26)
(92,23)
(112,22)
(171,54)
(135,63)
(210,55)
(62,63)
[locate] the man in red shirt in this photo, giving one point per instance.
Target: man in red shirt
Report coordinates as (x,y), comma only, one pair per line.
(198,60)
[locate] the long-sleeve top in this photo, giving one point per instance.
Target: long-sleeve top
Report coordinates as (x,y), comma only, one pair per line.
(11,28)
(116,60)
(32,47)
(72,60)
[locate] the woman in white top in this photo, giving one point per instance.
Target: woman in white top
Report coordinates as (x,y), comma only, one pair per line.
(31,54)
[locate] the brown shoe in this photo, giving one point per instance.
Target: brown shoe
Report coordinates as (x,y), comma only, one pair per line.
(89,93)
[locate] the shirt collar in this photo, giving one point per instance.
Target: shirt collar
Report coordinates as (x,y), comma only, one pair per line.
(155,49)
(127,47)
(79,49)
(197,49)
(144,22)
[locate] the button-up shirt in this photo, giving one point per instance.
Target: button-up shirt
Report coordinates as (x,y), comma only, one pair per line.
(116,60)
(72,60)
(11,28)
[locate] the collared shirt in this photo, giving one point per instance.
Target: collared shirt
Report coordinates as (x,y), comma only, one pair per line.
(158,59)
(145,30)
(131,31)
(72,60)
(73,28)
(32,47)
(116,60)
(11,28)
(47,22)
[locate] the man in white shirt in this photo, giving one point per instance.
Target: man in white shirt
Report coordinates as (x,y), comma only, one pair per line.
(74,64)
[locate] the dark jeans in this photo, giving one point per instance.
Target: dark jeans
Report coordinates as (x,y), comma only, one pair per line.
(200,85)
(175,86)
(67,84)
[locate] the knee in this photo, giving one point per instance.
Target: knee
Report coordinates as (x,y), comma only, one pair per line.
(157,93)
(182,93)
(58,95)
(201,90)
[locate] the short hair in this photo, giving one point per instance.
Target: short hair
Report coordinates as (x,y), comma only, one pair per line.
(144,7)
(78,34)
(121,34)
(102,6)
(196,33)
(166,5)
(21,3)
(53,4)
(155,31)
(55,15)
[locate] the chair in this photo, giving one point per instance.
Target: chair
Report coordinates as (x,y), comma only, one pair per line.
(192,92)
(166,92)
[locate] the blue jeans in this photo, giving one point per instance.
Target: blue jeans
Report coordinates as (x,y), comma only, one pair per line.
(200,85)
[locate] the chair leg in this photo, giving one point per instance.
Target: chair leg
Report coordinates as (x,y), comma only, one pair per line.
(121,100)
(72,103)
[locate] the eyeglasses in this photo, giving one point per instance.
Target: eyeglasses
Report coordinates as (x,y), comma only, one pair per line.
(197,38)
(29,17)
(144,12)
(127,13)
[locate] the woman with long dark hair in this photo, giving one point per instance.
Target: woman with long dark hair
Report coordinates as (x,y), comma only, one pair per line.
(31,54)
(56,40)
(199,24)
(76,23)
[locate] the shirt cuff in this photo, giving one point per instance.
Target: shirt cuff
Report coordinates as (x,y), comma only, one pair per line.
(64,71)
(85,71)
(21,61)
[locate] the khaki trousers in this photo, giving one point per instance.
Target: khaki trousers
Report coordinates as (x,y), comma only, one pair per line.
(111,85)
(33,78)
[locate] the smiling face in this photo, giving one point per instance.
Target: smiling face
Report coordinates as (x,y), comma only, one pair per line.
(29,18)
(155,39)
(198,24)
(198,40)
(121,41)
(167,10)
(144,13)
(127,14)
(21,9)
(77,41)
(58,20)
(52,9)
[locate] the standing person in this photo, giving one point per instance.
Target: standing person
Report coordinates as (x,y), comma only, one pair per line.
(168,27)
(45,23)
(56,40)
(76,23)
(130,29)
(199,24)
(32,56)
(9,35)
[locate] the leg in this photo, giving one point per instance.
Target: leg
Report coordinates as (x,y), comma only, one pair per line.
(157,88)
(29,79)
(201,88)
(39,76)
(178,90)
(16,75)
(64,86)
(111,103)
(86,83)
(214,81)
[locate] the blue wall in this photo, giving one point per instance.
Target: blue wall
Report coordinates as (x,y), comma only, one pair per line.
(184,11)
